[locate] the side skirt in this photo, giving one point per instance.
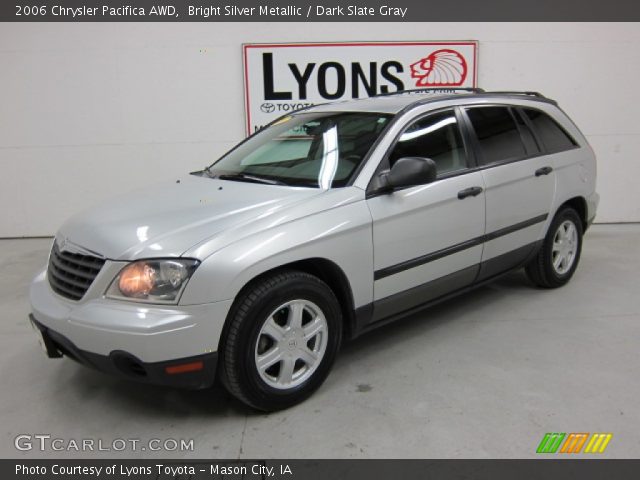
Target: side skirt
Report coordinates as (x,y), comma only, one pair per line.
(403,304)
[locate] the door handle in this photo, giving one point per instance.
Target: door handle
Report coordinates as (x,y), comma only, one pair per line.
(543,171)
(469,192)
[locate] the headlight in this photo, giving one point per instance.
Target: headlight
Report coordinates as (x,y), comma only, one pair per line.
(153,281)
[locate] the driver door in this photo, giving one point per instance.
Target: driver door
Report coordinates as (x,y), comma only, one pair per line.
(428,238)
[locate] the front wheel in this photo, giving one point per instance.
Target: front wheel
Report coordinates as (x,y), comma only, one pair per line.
(559,255)
(282,339)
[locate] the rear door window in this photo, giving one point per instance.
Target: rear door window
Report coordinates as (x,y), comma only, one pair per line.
(529,140)
(498,136)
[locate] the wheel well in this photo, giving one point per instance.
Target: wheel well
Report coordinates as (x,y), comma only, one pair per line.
(579,204)
(329,273)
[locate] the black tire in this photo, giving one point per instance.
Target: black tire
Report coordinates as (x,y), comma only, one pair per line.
(251,310)
(541,270)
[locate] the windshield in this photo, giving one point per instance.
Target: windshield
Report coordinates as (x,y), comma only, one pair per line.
(307,149)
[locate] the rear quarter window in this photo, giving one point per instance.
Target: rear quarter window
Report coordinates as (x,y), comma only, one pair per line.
(554,138)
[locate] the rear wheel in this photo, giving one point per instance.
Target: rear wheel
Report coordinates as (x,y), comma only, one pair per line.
(283,336)
(558,258)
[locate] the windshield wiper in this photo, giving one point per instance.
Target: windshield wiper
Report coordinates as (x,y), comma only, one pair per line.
(243,177)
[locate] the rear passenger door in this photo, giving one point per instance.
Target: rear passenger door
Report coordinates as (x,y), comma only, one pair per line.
(519,185)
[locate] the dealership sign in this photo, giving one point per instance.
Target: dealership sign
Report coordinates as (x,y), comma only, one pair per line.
(281,78)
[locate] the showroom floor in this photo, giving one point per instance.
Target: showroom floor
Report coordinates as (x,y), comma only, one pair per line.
(485,375)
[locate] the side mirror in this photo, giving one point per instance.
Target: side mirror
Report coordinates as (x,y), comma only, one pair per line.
(409,172)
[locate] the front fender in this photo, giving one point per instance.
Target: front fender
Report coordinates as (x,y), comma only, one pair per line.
(342,235)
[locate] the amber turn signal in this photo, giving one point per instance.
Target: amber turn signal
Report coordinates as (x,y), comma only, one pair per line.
(184,368)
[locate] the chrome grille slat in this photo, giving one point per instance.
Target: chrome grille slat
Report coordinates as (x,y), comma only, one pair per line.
(89,275)
(77,260)
(61,289)
(71,274)
(71,281)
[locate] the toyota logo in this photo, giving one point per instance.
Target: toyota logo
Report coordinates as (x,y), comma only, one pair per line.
(267,107)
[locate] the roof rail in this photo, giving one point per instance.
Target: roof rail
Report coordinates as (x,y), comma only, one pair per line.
(509,92)
(432,89)
(524,93)
(463,89)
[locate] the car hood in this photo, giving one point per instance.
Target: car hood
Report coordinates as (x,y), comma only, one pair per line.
(167,219)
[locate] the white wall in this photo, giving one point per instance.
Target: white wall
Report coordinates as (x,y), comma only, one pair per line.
(91,110)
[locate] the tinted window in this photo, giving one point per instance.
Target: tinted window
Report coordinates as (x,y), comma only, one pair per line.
(436,137)
(525,132)
(497,133)
(552,135)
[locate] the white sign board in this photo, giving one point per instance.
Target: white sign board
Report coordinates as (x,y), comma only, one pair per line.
(281,78)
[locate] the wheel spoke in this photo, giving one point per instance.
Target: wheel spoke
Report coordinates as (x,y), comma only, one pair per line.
(557,238)
(269,358)
(563,231)
(307,356)
(286,371)
(564,263)
(312,328)
(273,330)
(296,310)
(557,261)
(570,232)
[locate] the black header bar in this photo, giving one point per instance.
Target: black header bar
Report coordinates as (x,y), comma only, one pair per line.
(319,10)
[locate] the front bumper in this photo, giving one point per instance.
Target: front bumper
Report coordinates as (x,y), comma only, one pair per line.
(121,337)
(200,371)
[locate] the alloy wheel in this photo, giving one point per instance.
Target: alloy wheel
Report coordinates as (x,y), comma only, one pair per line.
(564,248)
(291,344)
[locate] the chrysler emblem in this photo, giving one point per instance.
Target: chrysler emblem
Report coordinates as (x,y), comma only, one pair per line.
(65,245)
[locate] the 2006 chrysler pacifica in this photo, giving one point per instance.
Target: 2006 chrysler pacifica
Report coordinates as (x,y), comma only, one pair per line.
(327,223)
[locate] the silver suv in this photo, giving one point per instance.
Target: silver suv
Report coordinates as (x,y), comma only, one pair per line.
(324,225)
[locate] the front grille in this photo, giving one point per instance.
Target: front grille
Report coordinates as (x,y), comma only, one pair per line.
(71,274)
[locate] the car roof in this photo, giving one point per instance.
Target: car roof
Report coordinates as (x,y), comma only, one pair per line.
(382,103)
(396,102)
